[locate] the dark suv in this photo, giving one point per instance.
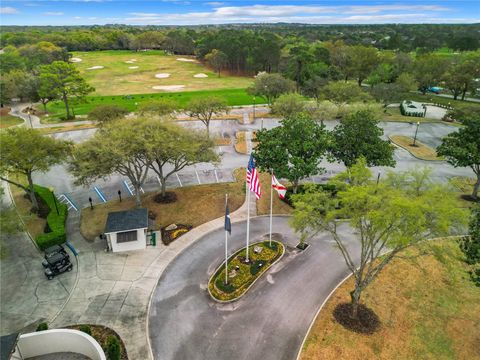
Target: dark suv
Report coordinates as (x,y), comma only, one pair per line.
(57,264)
(52,250)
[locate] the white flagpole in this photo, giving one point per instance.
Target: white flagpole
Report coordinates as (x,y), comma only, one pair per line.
(248,220)
(226,244)
(271,205)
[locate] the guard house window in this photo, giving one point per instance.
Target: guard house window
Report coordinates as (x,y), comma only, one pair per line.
(126,236)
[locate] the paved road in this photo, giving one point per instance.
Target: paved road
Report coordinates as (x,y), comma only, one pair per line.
(268,323)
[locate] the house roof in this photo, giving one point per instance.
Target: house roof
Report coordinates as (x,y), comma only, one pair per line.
(127,220)
(7,345)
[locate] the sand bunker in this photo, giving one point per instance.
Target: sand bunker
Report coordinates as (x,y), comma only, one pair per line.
(95,67)
(75,60)
(131,61)
(201,75)
(187,60)
(168,87)
(133,67)
(162,75)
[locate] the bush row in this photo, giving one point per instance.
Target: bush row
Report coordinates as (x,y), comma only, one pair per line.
(55,222)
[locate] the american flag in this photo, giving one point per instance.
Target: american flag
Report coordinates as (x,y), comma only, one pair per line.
(252,178)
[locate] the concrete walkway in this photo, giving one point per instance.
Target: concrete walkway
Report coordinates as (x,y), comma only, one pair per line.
(114,289)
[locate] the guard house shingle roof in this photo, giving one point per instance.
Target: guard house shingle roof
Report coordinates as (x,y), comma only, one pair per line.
(126,220)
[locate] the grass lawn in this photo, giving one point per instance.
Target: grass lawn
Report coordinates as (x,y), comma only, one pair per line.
(118,78)
(240,142)
(7,120)
(428,307)
(420,151)
(195,205)
(56,109)
(34,224)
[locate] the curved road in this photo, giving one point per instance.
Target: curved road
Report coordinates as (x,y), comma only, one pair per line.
(268,323)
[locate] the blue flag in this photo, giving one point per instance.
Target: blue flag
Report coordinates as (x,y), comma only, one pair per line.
(228,224)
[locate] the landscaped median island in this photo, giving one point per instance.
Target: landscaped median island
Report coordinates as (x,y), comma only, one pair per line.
(420,150)
(241,275)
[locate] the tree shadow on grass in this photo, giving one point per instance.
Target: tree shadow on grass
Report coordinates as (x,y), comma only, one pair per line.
(367,321)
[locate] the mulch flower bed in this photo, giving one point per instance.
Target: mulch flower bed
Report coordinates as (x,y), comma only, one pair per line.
(101,334)
(172,232)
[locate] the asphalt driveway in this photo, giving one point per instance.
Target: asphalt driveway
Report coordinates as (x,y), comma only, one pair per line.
(268,323)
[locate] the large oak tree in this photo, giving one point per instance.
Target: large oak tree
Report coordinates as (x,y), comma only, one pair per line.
(293,150)
(386,219)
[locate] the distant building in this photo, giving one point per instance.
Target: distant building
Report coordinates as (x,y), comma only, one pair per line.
(127,230)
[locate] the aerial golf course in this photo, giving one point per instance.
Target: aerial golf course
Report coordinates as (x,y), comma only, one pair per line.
(128,78)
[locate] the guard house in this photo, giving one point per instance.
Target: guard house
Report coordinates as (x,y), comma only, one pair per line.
(127,230)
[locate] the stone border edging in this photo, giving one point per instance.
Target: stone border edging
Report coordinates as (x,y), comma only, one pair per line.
(340,284)
(415,156)
(254,281)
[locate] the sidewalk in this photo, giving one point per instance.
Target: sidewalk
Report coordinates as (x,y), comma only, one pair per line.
(114,289)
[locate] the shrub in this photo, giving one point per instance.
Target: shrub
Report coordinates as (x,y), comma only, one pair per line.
(158,107)
(470,245)
(226,288)
(56,222)
(113,348)
(256,266)
(475,276)
(42,326)
(86,329)
(107,113)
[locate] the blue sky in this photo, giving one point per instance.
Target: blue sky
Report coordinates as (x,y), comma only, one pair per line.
(188,12)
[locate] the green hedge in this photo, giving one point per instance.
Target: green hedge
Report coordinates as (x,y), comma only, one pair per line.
(55,222)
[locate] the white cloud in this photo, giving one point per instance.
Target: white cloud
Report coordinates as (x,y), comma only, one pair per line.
(295,13)
(53,13)
(214,3)
(8,10)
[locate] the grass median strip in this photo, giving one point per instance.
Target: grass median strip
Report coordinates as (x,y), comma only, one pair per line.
(420,150)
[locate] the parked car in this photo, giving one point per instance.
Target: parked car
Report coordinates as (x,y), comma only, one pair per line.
(52,250)
(57,264)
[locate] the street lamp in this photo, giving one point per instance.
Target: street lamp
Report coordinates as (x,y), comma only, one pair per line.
(378,177)
(415,137)
(120,195)
(254,109)
(91,203)
(54,200)
(30,119)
